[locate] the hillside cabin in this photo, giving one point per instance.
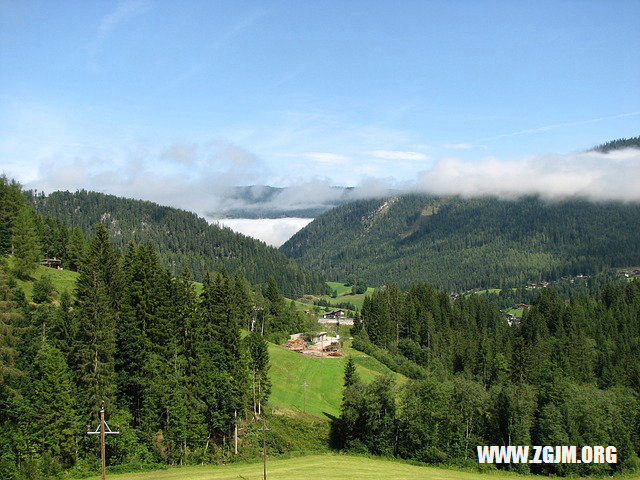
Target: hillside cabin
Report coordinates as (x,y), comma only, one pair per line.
(334,314)
(52,263)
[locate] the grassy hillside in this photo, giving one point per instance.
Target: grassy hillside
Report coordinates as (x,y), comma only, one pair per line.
(462,244)
(324,377)
(62,280)
(344,295)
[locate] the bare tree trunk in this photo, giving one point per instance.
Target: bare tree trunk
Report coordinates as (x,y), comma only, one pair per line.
(206,447)
(254,392)
(235,432)
(259,400)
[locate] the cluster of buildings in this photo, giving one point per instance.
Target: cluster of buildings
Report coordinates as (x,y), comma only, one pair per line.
(320,344)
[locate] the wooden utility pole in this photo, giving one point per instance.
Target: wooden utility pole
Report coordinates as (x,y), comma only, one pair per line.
(235,432)
(102,430)
(264,448)
(304,408)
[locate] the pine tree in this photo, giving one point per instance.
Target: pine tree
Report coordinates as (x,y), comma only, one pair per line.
(10,373)
(64,327)
(214,379)
(350,373)
(187,327)
(26,245)
(96,301)
(43,290)
(9,330)
(75,249)
(139,313)
(54,419)
(11,201)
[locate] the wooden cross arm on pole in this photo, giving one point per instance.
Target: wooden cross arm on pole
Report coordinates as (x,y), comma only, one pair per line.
(107,430)
(102,430)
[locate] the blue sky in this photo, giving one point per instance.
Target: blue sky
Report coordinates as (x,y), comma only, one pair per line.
(171,100)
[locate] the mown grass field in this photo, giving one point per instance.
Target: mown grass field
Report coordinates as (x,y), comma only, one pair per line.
(324,377)
(325,467)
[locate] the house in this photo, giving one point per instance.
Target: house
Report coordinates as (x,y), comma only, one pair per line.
(334,314)
(52,263)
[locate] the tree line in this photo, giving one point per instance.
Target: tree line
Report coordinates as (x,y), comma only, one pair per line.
(568,374)
(171,365)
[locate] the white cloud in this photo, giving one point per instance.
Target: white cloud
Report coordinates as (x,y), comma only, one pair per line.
(273,231)
(398,155)
(195,177)
(592,175)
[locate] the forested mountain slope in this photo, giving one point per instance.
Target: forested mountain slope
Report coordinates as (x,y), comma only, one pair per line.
(182,238)
(465,243)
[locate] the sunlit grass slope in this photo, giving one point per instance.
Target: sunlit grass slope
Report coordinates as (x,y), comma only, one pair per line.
(324,377)
(62,280)
(326,467)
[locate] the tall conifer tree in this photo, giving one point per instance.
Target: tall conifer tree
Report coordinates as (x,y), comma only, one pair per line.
(96,302)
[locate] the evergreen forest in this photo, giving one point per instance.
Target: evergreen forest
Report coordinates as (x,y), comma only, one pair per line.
(460,244)
(181,238)
(170,364)
(567,374)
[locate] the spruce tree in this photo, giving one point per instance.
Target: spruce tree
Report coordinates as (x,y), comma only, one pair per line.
(26,244)
(9,336)
(187,327)
(96,301)
(11,201)
(75,249)
(350,373)
(139,313)
(54,419)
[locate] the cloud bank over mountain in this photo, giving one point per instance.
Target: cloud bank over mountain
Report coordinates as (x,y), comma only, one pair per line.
(205,179)
(592,175)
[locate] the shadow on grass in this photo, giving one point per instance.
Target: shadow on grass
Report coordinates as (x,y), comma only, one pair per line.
(336,437)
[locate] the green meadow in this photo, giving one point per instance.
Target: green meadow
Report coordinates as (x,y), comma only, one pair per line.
(62,280)
(325,467)
(324,378)
(344,295)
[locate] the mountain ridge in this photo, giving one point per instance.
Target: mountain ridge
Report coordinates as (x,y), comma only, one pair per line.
(183,238)
(461,243)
